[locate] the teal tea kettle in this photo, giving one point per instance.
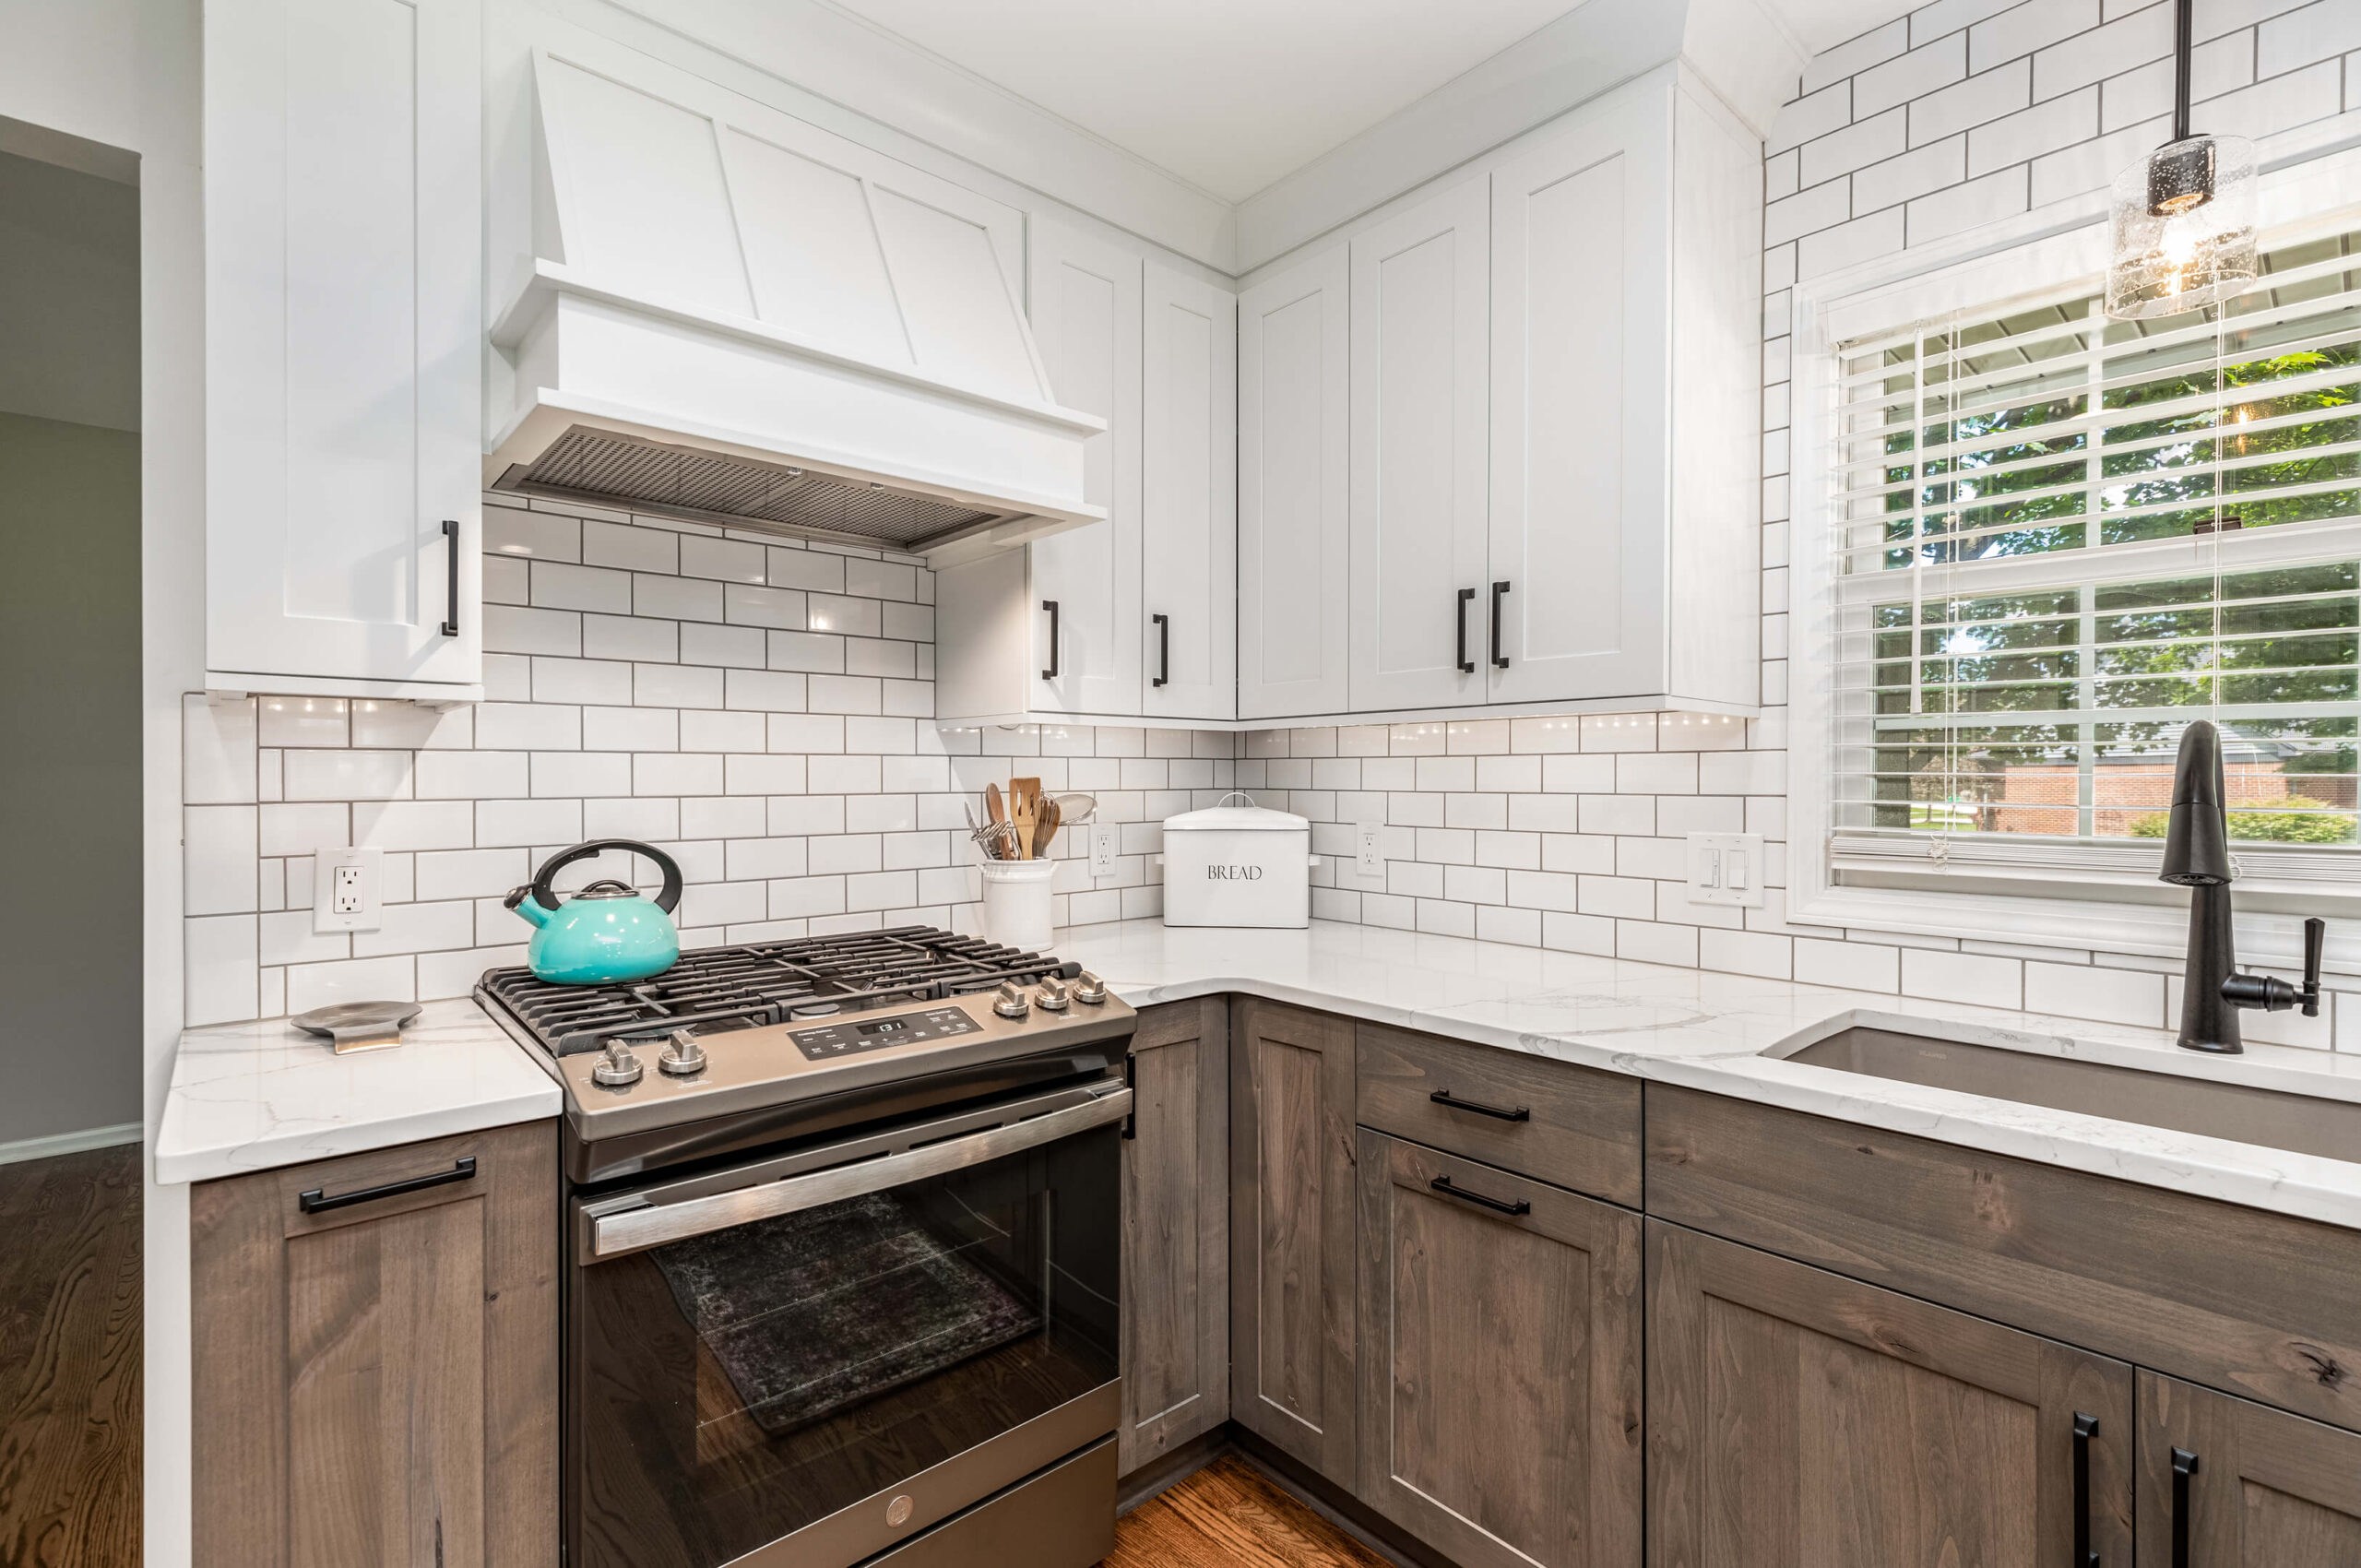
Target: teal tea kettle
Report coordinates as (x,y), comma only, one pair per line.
(606,932)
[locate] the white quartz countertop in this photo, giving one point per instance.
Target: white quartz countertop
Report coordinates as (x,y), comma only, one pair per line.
(255,1096)
(1724,1034)
(250,1097)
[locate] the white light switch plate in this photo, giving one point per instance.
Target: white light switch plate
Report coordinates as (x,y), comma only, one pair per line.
(1726,868)
(348,889)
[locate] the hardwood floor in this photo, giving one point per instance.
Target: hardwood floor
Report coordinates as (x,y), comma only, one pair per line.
(69,1360)
(1230,1515)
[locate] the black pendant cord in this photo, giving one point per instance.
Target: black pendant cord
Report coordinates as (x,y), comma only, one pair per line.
(2183,25)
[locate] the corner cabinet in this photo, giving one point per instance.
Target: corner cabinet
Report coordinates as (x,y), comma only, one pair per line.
(1133,618)
(374,1375)
(343,346)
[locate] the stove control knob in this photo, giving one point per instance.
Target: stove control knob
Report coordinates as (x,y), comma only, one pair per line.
(1051,997)
(618,1069)
(1010,1003)
(682,1056)
(1089,990)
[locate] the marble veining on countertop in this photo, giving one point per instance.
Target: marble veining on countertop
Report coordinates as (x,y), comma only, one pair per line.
(255,1096)
(1726,1034)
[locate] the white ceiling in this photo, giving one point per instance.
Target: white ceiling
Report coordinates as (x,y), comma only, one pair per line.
(1233,94)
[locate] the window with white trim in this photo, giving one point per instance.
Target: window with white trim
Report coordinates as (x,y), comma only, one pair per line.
(2057,539)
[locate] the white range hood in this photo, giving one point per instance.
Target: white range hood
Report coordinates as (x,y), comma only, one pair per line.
(733,317)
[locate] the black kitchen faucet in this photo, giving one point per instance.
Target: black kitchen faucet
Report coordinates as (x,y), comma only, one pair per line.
(2197,856)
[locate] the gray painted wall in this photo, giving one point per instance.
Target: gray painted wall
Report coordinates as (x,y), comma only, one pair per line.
(69,652)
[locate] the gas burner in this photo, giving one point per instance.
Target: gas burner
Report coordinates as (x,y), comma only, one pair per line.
(715,990)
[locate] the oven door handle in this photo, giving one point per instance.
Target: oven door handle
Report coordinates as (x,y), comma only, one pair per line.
(653,1225)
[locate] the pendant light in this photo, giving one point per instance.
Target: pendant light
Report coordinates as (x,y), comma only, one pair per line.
(2181,222)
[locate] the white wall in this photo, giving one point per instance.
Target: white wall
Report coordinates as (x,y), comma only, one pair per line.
(126,73)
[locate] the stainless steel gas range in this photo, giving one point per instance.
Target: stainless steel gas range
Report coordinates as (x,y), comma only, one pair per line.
(841,1244)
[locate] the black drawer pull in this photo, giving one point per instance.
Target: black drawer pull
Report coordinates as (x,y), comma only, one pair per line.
(2085,1428)
(2184,1467)
(1499,659)
(1442,1185)
(1467,665)
(451,593)
(1052,673)
(316,1201)
(1514,1114)
(1164,650)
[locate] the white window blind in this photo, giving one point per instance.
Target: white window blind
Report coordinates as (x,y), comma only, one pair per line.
(2061,537)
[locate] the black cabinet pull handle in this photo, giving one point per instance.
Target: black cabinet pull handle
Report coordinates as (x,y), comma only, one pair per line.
(317,1202)
(1442,1185)
(1467,665)
(1499,659)
(2184,1467)
(1514,1114)
(2085,1428)
(1163,648)
(451,594)
(1052,673)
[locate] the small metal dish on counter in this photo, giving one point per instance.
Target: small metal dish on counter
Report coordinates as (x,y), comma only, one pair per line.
(358,1026)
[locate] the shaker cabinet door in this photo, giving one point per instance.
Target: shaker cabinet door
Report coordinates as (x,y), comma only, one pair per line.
(1176,1230)
(1291,1197)
(2227,1483)
(1085,300)
(1581,303)
(1294,435)
(344,332)
(1800,1419)
(1187,583)
(1500,1390)
(376,1383)
(1421,595)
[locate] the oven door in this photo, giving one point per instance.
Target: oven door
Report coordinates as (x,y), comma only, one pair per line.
(810,1358)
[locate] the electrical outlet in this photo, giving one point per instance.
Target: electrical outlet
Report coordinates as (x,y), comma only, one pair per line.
(1105,844)
(348,888)
(1726,868)
(1368,859)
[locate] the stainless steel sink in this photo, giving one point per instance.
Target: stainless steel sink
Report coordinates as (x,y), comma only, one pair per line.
(2298,1123)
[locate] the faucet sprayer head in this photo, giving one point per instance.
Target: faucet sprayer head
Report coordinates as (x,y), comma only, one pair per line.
(2197,841)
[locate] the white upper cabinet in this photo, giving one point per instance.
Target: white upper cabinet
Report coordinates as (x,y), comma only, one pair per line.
(1144,622)
(1189,499)
(344,324)
(1085,299)
(1421,349)
(1626,357)
(1294,441)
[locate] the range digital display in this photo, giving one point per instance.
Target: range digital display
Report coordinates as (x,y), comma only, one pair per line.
(856,1035)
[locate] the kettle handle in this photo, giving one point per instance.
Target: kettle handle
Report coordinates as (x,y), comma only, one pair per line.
(543,895)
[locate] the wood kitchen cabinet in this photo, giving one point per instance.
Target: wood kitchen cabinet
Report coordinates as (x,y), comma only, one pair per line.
(1800,1419)
(1144,623)
(2227,1483)
(1176,1231)
(1292,1273)
(1500,1400)
(375,1382)
(344,346)
(1294,443)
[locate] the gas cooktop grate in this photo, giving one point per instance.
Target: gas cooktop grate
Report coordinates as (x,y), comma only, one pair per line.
(765,982)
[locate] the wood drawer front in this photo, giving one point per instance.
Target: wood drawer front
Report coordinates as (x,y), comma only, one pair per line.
(2237,1299)
(1579,1130)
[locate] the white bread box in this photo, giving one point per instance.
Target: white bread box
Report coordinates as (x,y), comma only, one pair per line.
(1237,865)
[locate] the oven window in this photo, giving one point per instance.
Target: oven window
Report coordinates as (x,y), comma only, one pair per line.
(731,1388)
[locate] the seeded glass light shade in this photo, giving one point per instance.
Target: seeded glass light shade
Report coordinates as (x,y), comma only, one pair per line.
(2180,224)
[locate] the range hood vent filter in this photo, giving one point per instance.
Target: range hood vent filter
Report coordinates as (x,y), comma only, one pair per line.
(604,469)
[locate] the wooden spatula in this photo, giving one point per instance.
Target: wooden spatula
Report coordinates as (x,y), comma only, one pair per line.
(1045,827)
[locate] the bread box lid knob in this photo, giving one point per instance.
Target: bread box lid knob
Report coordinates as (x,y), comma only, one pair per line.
(1248,818)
